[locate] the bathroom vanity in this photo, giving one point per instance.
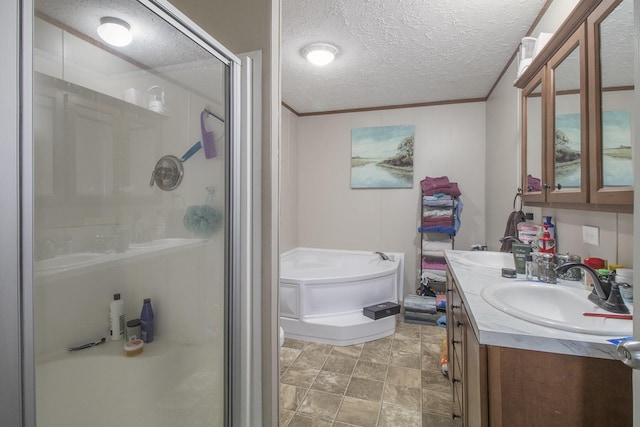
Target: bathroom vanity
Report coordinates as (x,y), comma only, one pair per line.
(506,371)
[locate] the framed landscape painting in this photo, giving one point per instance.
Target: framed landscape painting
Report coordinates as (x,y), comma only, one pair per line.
(382,157)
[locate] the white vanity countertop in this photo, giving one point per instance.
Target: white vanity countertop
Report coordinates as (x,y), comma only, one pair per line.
(493,327)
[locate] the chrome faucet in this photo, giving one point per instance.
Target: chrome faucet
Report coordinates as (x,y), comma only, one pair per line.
(606,294)
(384,256)
(512,239)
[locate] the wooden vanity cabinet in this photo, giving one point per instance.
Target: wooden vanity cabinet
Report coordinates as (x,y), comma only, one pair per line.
(467,363)
(503,387)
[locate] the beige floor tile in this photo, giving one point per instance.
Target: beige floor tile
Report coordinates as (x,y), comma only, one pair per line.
(291,343)
(407,397)
(361,388)
(331,382)
(291,397)
(352,351)
(370,370)
(300,377)
(318,348)
(407,333)
(358,412)
(406,360)
(339,365)
(288,355)
(431,358)
(431,377)
(285,417)
(320,404)
(310,360)
(375,355)
(379,343)
(403,376)
(407,345)
(397,416)
(437,402)
(304,421)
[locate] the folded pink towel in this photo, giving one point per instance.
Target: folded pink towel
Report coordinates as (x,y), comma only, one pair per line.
(429,183)
(431,186)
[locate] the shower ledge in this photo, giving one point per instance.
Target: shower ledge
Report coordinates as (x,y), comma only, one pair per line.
(83,261)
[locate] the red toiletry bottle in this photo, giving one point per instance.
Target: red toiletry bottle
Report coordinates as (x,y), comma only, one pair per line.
(547,244)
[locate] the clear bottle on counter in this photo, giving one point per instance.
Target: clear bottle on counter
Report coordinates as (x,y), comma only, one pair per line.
(146,321)
(529,267)
(547,269)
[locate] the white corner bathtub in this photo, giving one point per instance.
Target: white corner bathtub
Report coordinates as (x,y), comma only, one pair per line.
(323,292)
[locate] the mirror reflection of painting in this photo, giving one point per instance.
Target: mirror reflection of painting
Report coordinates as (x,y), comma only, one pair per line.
(567,143)
(617,164)
(382,157)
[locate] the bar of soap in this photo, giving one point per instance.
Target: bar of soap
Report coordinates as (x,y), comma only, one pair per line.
(133,348)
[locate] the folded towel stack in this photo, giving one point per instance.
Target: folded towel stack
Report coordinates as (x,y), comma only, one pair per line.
(441,184)
(424,310)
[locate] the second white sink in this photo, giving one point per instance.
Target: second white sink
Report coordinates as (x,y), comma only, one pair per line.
(488,259)
(554,306)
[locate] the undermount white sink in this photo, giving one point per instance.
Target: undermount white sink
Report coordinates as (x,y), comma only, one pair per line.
(488,259)
(67,261)
(554,306)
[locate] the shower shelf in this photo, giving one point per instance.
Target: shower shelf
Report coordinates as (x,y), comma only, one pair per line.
(66,87)
(80,263)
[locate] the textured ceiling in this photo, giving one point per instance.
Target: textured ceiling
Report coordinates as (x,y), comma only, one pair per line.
(399,52)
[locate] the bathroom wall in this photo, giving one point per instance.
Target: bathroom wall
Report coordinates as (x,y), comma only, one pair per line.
(503,156)
(332,215)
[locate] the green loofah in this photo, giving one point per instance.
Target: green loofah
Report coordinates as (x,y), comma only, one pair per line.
(201,220)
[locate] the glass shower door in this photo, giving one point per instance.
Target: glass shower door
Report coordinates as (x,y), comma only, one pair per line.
(131,198)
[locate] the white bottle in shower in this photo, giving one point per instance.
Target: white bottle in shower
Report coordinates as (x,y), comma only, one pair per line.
(116,318)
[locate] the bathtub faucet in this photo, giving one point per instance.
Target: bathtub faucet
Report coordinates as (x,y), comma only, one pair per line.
(384,256)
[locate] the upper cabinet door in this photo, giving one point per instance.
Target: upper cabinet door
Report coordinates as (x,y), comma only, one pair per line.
(611,67)
(533,125)
(567,153)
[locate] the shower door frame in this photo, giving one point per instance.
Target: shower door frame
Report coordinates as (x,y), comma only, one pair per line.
(17,361)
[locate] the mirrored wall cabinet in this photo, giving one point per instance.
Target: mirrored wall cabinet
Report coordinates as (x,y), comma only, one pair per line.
(577,109)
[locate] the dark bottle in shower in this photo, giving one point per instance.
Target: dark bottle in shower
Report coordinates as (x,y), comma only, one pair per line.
(146,321)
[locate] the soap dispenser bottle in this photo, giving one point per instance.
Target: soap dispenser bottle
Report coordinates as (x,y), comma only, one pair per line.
(547,244)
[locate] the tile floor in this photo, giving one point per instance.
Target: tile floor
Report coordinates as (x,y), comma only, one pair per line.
(394,381)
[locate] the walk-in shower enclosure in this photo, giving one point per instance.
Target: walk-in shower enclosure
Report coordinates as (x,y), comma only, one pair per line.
(97,218)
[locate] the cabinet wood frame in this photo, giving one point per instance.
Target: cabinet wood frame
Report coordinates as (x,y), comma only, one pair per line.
(528,194)
(599,193)
(595,197)
(553,193)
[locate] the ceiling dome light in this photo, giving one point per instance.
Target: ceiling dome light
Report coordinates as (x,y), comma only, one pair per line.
(320,53)
(115,31)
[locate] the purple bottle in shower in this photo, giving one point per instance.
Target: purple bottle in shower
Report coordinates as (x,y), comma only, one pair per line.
(146,321)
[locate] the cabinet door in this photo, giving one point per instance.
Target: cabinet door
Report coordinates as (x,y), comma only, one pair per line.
(611,34)
(533,124)
(567,138)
